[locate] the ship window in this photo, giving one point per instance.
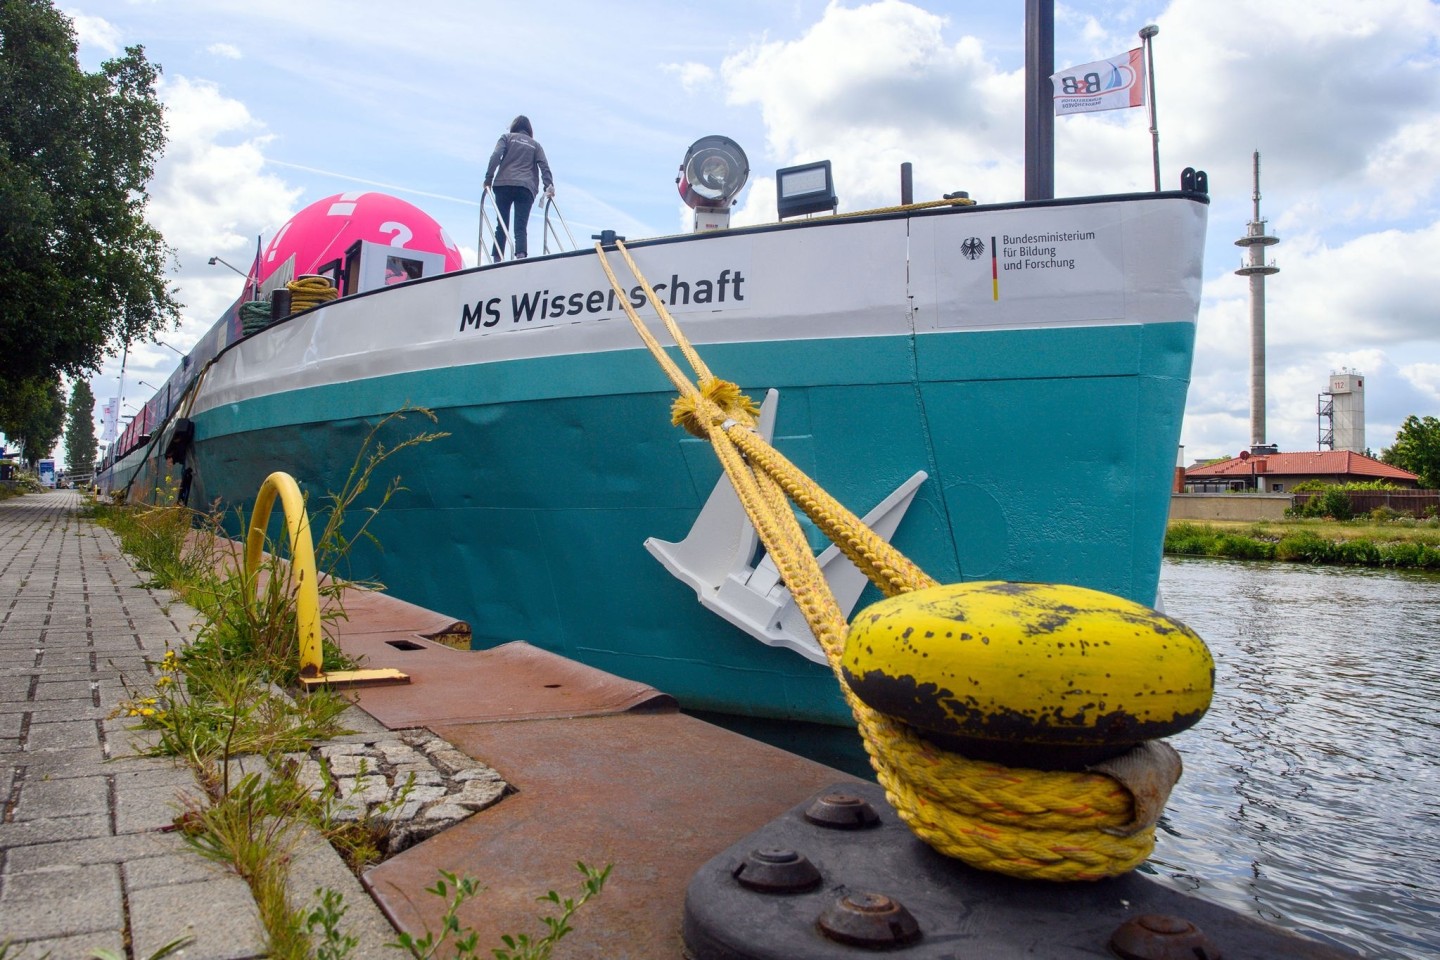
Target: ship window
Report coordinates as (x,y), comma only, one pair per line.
(400,269)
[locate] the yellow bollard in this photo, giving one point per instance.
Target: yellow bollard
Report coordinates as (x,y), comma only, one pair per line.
(302,561)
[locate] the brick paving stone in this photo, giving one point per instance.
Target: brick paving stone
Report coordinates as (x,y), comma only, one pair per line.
(25,833)
(55,734)
(103,849)
(57,902)
(170,870)
(157,917)
(55,685)
(56,710)
(73,797)
(59,764)
(155,807)
(15,687)
(10,724)
(79,945)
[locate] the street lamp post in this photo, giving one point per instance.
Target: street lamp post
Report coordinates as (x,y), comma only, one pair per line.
(184,357)
(215,260)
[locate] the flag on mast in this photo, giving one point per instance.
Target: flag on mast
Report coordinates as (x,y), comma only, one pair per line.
(109,415)
(1114,84)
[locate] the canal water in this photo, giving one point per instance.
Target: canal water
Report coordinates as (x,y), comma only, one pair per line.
(1311,793)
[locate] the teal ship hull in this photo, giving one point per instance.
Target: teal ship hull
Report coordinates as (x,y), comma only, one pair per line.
(1029,392)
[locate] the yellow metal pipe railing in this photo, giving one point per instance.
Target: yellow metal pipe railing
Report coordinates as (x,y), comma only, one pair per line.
(302,561)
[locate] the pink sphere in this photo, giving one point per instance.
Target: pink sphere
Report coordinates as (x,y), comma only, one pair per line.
(324,230)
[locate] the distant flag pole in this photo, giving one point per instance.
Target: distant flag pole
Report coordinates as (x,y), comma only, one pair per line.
(1147,33)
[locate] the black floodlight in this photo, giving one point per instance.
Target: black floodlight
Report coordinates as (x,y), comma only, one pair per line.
(712,173)
(807,188)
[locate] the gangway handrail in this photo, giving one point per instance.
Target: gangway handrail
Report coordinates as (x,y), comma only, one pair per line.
(487,238)
(549,230)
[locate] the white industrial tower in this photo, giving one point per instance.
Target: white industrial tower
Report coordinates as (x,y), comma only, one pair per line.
(1342,412)
(1255,267)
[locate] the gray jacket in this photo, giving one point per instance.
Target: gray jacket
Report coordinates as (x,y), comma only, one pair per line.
(514,162)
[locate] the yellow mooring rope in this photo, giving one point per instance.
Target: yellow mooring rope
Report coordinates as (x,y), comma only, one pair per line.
(307,292)
(1025,823)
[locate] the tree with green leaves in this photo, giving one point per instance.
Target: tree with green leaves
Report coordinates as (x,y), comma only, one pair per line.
(1417,449)
(81,271)
(80,431)
(34,417)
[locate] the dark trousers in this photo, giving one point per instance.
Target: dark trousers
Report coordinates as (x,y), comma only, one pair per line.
(521,200)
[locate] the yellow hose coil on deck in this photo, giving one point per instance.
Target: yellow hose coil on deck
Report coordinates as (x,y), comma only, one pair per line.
(1025,823)
(307,292)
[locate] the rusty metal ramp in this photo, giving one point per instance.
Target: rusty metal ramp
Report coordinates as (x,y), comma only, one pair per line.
(602,770)
(514,681)
(656,795)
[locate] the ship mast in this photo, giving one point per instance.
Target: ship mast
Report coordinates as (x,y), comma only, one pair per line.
(1039,100)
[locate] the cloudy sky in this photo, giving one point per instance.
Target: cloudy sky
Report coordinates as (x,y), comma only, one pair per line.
(273,105)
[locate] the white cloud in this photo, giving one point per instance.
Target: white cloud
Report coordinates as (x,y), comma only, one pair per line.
(210,197)
(874,86)
(1344,103)
(1425,378)
(1314,84)
(1376,289)
(227,51)
(693,76)
(1403,171)
(96,32)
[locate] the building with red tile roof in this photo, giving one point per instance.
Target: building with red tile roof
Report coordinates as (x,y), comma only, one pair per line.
(1279,472)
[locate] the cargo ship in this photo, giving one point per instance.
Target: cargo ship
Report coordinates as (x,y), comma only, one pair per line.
(997,388)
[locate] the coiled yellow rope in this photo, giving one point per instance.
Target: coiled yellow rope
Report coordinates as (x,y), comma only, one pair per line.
(1024,823)
(308,292)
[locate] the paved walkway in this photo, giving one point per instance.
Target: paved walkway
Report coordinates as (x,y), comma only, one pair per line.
(85,864)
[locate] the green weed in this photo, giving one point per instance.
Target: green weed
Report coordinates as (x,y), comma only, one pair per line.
(463,939)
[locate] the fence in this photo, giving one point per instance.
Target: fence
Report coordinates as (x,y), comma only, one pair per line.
(1419,503)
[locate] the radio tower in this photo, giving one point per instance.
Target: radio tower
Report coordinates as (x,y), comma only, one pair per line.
(1255,267)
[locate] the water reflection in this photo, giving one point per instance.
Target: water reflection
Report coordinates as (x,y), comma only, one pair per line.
(1310,789)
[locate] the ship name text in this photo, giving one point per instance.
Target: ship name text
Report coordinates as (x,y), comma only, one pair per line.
(547,305)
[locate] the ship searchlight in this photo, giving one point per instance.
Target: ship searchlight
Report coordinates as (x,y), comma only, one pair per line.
(711,175)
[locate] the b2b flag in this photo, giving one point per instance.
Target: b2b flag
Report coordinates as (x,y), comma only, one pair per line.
(1114,84)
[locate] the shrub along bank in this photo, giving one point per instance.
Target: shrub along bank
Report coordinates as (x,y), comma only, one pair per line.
(1412,545)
